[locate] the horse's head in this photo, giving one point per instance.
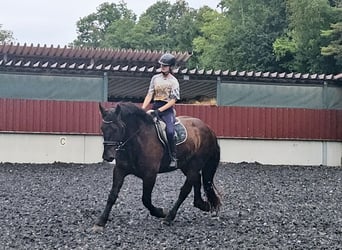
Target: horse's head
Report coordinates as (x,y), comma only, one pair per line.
(113,131)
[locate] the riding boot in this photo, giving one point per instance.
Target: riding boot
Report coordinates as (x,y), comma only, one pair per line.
(173,155)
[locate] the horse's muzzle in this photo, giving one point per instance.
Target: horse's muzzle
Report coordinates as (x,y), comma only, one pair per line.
(109,159)
(109,153)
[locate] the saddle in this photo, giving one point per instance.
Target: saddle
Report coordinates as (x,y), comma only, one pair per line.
(181,133)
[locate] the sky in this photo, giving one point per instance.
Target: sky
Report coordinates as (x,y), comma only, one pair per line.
(54,22)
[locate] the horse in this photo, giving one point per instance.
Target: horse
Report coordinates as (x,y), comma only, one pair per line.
(130,137)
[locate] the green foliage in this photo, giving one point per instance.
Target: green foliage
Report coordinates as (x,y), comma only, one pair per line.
(299,49)
(333,48)
(163,26)
(119,34)
(242,36)
(182,26)
(6,36)
(172,26)
(210,43)
(335,3)
(258,35)
(92,30)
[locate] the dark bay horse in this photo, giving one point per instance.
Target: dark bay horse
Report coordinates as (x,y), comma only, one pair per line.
(131,139)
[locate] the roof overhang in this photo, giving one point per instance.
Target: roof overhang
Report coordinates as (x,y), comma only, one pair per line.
(129,72)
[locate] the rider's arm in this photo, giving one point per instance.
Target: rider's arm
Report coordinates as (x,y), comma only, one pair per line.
(169,104)
(147,100)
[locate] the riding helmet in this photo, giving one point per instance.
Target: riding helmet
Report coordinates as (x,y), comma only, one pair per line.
(167,60)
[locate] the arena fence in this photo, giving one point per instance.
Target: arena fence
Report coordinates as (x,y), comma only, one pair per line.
(69,131)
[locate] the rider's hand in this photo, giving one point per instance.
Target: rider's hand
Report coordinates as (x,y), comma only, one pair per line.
(155,113)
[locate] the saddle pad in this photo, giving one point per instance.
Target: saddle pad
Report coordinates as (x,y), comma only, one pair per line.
(180,133)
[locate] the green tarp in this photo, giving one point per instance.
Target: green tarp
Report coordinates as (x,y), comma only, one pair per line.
(279,95)
(53,87)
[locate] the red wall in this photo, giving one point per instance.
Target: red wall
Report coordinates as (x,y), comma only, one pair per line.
(49,116)
(71,117)
(269,123)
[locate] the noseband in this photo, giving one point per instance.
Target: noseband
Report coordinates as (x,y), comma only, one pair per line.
(119,144)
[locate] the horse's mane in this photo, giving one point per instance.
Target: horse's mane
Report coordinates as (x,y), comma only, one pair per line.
(130,111)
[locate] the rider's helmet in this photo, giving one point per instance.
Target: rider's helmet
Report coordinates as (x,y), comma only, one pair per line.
(167,60)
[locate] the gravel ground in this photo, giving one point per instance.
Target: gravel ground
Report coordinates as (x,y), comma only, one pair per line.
(54,206)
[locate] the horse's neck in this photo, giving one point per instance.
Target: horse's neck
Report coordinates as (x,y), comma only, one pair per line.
(146,132)
(134,128)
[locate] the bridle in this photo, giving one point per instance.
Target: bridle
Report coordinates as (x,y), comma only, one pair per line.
(119,145)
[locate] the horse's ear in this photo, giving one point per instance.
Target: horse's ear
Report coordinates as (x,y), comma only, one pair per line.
(118,111)
(102,110)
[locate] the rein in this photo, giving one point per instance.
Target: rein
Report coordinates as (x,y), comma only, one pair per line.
(119,144)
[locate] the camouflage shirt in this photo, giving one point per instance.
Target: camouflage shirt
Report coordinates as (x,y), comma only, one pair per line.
(164,88)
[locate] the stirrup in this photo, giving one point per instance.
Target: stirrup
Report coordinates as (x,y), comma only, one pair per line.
(173,163)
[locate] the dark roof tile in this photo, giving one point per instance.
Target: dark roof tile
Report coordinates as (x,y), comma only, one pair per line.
(138,57)
(38,57)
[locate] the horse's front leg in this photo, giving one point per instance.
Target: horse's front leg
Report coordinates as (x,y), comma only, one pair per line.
(148,184)
(118,179)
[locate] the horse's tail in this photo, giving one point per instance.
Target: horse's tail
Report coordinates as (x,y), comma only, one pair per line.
(208,173)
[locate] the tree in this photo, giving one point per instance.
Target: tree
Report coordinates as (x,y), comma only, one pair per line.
(335,3)
(183,26)
(6,36)
(163,26)
(256,24)
(119,34)
(258,35)
(169,26)
(209,46)
(143,36)
(335,47)
(299,48)
(92,30)
(241,37)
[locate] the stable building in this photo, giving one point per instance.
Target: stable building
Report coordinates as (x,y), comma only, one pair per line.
(251,112)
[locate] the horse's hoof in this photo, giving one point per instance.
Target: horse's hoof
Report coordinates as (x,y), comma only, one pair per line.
(97,229)
(165,212)
(215,214)
(166,222)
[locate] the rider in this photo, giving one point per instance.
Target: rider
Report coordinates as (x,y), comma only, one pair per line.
(164,90)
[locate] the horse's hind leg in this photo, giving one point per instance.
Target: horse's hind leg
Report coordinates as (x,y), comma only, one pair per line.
(198,200)
(148,184)
(118,179)
(185,190)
